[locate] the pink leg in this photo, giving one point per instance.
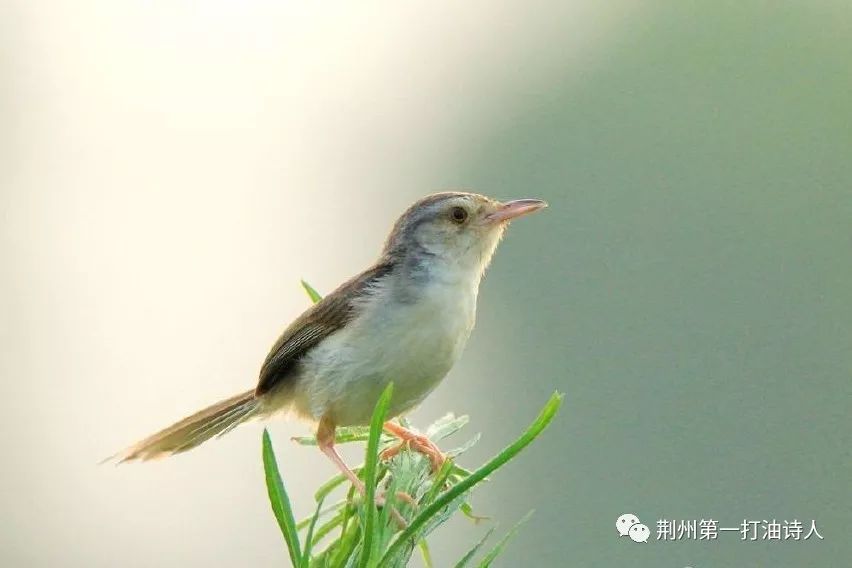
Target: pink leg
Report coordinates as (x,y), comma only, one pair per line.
(325,441)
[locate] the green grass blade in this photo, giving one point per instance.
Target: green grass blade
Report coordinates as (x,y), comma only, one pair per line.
(370,469)
(426,554)
(349,533)
(439,481)
(472,552)
(456,452)
(307,520)
(467,511)
(309,537)
(446,426)
(279,500)
(329,526)
(342,435)
(330,486)
(498,548)
(347,545)
(312,294)
(541,422)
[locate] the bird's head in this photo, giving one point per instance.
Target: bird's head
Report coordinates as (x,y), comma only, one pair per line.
(455,231)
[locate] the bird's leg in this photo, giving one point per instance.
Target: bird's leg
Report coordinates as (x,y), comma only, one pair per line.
(415,441)
(325,441)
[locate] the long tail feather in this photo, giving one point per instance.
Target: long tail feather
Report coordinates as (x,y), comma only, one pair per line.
(215,420)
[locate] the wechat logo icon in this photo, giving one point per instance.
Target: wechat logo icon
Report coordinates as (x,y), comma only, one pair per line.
(628,525)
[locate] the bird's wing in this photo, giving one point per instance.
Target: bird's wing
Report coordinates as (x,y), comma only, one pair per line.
(318,322)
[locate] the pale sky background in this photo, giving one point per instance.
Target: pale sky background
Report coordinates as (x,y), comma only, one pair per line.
(170,170)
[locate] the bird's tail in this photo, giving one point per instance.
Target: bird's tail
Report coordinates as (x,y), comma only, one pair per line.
(216,420)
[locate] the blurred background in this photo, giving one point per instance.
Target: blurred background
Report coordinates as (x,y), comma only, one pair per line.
(170,170)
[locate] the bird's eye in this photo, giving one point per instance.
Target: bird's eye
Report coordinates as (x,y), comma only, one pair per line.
(458,214)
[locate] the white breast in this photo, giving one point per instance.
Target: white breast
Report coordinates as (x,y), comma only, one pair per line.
(413,344)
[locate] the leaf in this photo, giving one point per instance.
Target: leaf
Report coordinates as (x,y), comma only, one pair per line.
(339,551)
(330,486)
(456,452)
(312,294)
(342,435)
(438,482)
(279,500)
(541,422)
(424,551)
(446,426)
(327,527)
(467,511)
(309,537)
(472,552)
(461,473)
(498,548)
(348,536)
(370,468)
(307,520)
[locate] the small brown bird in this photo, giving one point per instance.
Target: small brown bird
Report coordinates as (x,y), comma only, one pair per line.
(405,319)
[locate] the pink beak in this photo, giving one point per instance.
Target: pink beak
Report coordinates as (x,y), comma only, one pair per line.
(514,209)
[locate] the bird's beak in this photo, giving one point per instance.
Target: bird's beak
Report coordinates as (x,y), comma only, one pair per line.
(513,209)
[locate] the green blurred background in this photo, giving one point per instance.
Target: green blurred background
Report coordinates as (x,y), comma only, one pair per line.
(169,172)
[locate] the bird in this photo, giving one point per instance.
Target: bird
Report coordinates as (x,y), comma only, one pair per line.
(405,320)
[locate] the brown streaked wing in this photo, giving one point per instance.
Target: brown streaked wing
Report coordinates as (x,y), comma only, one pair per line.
(318,322)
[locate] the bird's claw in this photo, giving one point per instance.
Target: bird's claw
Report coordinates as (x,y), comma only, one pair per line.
(400,521)
(421,444)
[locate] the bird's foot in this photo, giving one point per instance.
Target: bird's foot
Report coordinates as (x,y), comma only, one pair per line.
(400,496)
(397,517)
(417,442)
